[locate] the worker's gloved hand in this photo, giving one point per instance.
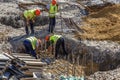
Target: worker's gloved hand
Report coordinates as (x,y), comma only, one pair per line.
(49,49)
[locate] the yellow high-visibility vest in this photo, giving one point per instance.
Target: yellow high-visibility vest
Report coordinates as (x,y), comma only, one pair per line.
(33,41)
(52,10)
(29,14)
(54,38)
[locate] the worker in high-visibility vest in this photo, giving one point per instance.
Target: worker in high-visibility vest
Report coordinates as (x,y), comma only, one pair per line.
(32,45)
(29,16)
(58,40)
(52,9)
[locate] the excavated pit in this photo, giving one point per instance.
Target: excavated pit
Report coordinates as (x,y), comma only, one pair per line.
(94,59)
(96,8)
(81,54)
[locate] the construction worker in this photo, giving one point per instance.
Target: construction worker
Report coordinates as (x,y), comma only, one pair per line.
(31,45)
(52,9)
(58,40)
(29,16)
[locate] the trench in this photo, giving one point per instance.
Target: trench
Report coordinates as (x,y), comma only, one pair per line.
(17,22)
(103,61)
(80,54)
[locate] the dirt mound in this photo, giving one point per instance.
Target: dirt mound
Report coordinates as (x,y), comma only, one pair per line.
(103,25)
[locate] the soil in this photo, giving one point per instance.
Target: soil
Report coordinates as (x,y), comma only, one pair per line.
(102,25)
(99,25)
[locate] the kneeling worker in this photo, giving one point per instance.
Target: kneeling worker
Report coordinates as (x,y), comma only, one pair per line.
(31,45)
(58,40)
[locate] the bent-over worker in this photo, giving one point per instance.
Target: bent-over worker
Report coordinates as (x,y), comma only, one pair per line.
(31,45)
(58,40)
(29,16)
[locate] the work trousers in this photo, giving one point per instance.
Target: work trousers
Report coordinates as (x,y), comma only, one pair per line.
(52,24)
(31,27)
(29,49)
(60,42)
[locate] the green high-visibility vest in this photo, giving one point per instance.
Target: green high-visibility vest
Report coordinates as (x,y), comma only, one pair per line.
(54,38)
(29,14)
(52,10)
(33,41)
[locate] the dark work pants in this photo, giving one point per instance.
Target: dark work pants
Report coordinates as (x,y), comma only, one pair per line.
(60,42)
(31,27)
(52,24)
(29,48)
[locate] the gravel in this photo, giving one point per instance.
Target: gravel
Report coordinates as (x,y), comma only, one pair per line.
(108,75)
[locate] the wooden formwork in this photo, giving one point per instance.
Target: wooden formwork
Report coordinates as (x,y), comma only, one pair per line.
(31,64)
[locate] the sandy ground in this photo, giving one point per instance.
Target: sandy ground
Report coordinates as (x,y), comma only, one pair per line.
(103,25)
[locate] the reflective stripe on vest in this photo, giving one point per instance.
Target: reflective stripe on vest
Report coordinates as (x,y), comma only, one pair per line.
(54,38)
(33,41)
(52,10)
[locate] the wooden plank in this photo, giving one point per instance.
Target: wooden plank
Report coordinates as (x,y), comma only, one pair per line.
(2,67)
(3,60)
(4,57)
(35,63)
(28,73)
(9,56)
(32,67)
(31,59)
(22,54)
(2,63)
(36,70)
(19,56)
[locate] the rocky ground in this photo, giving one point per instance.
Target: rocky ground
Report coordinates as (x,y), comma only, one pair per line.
(107,75)
(106,54)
